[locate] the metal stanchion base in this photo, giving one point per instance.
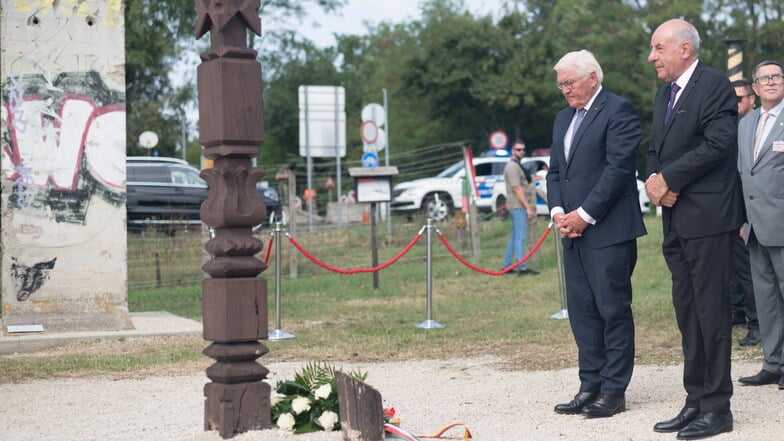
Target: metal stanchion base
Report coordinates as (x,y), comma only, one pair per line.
(562,314)
(279,334)
(430,324)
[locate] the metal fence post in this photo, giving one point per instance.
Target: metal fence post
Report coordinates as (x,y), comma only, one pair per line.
(278,333)
(429,323)
(563,313)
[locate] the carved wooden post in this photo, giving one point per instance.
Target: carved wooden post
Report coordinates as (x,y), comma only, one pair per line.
(234,298)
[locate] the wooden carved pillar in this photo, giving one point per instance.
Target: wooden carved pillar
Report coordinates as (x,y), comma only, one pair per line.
(234,298)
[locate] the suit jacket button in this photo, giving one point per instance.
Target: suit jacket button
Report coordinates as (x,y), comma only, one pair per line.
(751,197)
(752,173)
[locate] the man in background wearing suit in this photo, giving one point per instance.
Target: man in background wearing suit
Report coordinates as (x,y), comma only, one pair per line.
(592,196)
(744,308)
(693,175)
(761,161)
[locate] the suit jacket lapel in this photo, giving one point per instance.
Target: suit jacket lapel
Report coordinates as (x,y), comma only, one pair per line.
(590,115)
(775,133)
(687,91)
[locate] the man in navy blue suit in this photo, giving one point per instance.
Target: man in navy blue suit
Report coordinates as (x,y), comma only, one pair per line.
(693,175)
(593,201)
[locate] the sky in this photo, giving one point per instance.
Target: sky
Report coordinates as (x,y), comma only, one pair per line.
(350,18)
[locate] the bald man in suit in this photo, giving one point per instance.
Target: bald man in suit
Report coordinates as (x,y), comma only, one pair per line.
(692,173)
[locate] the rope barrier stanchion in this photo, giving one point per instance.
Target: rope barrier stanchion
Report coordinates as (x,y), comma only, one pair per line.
(277,333)
(563,313)
(430,323)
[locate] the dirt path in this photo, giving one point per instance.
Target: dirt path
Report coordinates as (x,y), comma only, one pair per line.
(494,403)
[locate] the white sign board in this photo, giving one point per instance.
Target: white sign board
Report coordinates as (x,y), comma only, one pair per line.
(322,121)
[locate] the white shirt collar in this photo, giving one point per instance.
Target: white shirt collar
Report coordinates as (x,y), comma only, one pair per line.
(683,80)
(775,111)
(593,98)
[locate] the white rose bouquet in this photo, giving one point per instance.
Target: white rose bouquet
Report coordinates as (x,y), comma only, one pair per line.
(309,403)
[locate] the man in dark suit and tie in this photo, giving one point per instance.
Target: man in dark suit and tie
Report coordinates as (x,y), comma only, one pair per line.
(592,196)
(693,175)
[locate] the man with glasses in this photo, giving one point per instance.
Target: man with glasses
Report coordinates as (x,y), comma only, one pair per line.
(520,210)
(593,201)
(693,175)
(760,161)
(744,309)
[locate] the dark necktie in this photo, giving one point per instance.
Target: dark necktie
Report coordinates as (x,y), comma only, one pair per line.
(673,92)
(577,121)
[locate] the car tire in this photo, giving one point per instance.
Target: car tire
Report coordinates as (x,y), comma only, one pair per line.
(437,206)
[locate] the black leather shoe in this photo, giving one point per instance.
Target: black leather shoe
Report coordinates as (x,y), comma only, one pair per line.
(751,339)
(528,272)
(707,424)
(781,383)
(580,400)
(763,377)
(605,406)
(686,415)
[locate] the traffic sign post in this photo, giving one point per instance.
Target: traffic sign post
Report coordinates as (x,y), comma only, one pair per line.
(498,140)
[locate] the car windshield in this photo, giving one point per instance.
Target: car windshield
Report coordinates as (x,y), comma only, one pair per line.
(451,171)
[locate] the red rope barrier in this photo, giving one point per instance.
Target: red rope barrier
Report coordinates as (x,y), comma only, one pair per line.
(269,250)
(355,270)
(505,270)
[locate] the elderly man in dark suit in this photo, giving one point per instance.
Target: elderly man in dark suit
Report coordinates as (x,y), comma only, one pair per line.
(760,160)
(592,196)
(693,175)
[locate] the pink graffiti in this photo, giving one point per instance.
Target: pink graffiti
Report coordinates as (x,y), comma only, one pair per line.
(50,144)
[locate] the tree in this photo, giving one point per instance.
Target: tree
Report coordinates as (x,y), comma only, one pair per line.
(157,34)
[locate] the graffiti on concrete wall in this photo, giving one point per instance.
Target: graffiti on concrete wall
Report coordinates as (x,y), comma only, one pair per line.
(29,278)
(64,144)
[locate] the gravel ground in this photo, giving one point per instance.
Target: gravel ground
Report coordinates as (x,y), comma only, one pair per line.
(496,404)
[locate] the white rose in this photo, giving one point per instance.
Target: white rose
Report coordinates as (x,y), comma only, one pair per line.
(285,421)
(276,398)
(327,420)
(323,391)
(300,404)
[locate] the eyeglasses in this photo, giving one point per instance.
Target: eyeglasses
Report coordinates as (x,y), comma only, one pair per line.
(519,150)
(568,85)
(769,79)
(740,97)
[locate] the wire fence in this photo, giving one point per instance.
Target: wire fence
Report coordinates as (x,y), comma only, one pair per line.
(162,260)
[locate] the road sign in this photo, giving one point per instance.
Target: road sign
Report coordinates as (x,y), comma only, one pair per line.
(330,184)
(369,159)
(368,131)
(498,140)
(322,121)
(374,112)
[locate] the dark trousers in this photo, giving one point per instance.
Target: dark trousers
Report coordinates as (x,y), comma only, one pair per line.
(599,299)
(741,288)
(700,270)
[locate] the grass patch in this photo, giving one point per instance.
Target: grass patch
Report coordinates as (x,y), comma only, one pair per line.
(342,318)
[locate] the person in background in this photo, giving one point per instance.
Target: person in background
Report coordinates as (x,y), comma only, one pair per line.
(593,201)
(744,309)
(693,175)
(760,160)
(520,209)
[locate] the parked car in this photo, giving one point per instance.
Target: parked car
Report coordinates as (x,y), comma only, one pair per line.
(538,165)
(168,192)
(441,195)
